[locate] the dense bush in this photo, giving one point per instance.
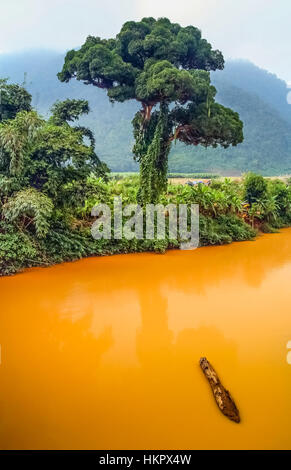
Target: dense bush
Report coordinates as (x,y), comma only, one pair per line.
(17,250)
(224,218)
(269,202)
(255,188)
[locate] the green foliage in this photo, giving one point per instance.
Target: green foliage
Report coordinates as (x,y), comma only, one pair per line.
(29,207)
(50,179)
(67,232)
(47,156)
(44,179)
(60,157)
(68,110)
(17,249)
(154,163)
(223,230)
(17,137)
(8,186)
(113,64)
(162,81)
(282,194)
(157,63)
(13,99)
(255,188)
(270,202)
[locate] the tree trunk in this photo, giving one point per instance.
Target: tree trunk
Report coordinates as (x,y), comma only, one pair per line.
(154,160)
(147,109)
(222,397)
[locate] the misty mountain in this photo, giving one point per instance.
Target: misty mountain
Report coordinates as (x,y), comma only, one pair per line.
(250,78)
(258,96)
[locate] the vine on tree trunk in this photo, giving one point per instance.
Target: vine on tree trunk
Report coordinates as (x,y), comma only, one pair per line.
(151,149)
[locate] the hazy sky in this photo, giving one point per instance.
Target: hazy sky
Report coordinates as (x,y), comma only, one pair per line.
(258,30)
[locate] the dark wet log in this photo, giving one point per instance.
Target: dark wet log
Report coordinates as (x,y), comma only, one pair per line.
(222,397)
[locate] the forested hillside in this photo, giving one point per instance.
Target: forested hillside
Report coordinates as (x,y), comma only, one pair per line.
(266,148)
(258,96)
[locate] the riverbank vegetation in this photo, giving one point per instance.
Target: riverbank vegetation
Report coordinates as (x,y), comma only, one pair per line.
(51,176)
(38,228)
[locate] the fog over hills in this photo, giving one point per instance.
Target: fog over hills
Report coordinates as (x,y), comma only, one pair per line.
(259,97)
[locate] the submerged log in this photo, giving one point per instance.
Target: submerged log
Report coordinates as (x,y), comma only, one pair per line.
(222,397)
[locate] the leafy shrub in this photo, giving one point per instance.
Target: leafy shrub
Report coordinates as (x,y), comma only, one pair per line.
(17,250)
(267,228)
(224,229)
(282,193)
(255,188)
(29,206)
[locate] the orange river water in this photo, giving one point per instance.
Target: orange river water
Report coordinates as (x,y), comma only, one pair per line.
(103,353)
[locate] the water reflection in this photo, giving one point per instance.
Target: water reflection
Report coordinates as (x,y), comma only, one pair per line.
(103,353)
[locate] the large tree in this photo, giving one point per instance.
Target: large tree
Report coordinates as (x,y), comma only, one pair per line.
(166,68)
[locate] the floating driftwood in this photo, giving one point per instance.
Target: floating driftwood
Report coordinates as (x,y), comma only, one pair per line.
(222,397)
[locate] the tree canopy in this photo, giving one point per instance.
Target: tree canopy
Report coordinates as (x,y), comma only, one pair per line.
(47,170)
(13,98)
(69,110)
(159,64)
(48,156)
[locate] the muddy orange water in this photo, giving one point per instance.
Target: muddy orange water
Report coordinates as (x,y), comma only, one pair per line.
(103,352)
